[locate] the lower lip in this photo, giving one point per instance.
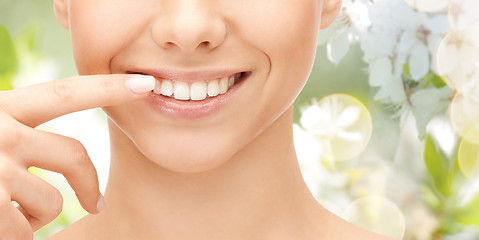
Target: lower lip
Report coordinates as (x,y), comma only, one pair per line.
(174,108)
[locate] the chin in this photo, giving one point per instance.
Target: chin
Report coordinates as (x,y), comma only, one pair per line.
(185,150)
(191,162)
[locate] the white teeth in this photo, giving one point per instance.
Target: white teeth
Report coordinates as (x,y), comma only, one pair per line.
(223,85)
(198,91)
(182,90)
(157,88)
(213,88)
(166,88)
(231,81)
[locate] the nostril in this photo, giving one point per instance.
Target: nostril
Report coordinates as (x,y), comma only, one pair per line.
(169,44)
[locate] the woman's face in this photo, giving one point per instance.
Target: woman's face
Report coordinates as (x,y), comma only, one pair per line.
(268,46)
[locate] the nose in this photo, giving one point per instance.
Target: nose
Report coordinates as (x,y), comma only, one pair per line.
(189,27)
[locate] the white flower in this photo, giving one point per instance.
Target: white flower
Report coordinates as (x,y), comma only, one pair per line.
(351,23)
(441,130)
(381,75)
(327,186)
(330,120)
(427,103)
(398,34)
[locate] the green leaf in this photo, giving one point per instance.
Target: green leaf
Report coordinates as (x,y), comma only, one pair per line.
(439,167)
(434,163)
(438,81)
(433,78)
(449,225)
(469,213)
(8,60)
(405,69)
(430,198)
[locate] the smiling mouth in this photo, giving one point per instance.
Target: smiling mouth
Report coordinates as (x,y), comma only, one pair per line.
(196,90)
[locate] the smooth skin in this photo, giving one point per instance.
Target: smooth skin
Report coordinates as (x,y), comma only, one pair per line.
(231,175)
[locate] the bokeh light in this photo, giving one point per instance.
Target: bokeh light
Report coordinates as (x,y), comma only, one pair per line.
(355,118)
(427,5)
(468,156)
(462,13)
(342,124)
(377,214)
(457,56)
(464,113)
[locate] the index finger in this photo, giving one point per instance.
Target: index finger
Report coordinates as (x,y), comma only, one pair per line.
(36,104)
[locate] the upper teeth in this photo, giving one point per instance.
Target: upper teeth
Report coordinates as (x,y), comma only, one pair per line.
(198,90)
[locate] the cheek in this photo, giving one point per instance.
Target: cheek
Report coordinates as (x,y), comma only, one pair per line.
(101,29)
(286,31)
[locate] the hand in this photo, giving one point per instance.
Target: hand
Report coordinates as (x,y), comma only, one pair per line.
(23,146)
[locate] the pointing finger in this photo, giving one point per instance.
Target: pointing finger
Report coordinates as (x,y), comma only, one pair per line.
(36,104)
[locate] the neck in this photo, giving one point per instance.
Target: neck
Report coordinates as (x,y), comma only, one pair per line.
(258,192)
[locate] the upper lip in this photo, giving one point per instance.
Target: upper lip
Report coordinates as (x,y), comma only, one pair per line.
(188,75)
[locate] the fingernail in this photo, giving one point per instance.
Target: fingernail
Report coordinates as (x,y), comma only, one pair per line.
(100,206)
(141,84)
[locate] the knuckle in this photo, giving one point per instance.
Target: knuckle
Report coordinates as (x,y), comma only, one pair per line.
(10,135)
(61,89)
(78,153)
